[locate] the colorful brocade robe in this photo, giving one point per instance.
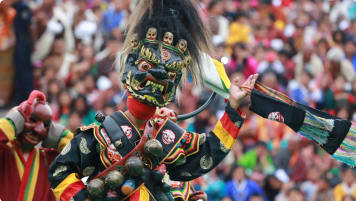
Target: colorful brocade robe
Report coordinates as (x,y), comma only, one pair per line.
(25,180)
(186,155)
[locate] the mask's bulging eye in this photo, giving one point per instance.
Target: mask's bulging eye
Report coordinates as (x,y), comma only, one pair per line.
(172,75)
(144,65)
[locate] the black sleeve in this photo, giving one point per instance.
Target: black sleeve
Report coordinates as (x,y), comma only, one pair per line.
(197,153)
(78,159)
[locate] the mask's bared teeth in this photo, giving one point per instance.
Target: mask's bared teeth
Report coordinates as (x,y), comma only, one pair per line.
(143,85)
(161,87)
(148,83)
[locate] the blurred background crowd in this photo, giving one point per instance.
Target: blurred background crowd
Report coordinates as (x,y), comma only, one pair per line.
(304,48)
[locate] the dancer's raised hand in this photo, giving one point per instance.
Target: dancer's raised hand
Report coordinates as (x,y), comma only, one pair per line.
(239,91)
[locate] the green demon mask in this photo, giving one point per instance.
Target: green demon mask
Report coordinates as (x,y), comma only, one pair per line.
(154,68)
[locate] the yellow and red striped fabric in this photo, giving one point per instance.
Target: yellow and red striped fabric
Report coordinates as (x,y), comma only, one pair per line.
(141,194)
(28,173)
(226,131)
(69,187)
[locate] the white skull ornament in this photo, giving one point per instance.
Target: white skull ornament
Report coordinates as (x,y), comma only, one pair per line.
(168,38)
(187,61)
(151,33)
(182,45)
(134,41)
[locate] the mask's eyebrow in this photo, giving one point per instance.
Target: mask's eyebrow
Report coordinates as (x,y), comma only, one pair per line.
(175,65)
(149,56)
(178,65)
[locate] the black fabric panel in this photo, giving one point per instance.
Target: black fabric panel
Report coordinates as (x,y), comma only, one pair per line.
(337,135)
(155,187)
(115,133)
(169,128)
(122,120)
(75,160)
(264,105)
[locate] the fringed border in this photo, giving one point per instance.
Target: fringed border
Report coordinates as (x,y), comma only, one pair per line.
(316,128)
(346,153)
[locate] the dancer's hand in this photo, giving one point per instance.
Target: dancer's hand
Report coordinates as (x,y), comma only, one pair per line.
(238,91)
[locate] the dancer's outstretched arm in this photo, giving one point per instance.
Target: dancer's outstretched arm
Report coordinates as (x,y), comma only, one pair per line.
(336,136)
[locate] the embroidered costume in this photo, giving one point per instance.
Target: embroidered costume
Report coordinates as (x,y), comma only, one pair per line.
(131,154)
(123,161)
(186,155)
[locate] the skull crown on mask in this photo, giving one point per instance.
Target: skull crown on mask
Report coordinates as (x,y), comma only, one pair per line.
(154,68)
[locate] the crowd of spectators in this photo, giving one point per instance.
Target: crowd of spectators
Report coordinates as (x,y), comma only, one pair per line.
(304,48)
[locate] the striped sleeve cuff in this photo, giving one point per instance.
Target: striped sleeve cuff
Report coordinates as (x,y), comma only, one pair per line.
(65,138)
(228,127)
(8,129)
(237,117)
(68,188)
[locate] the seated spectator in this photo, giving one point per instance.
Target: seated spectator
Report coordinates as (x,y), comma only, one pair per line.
(348,198)
(216,11)
(108,110)
(85,112)
(307,60)
(54,87)
(256,197)
(113,18)
(272,64)
(322,48)
(295,194)
(288,63)
(240,188)
(270,79)
(64,103)
(350,51)
(74,120)
(215,187)
(338,65)
(272,187)
(291,160)
(299,90)
(310,186)
(200,123)
(239,30)
(235,154)
(324,191)
(241,61)
(188,99)
(226,199)
(265,130)
(347,186)
(257,159)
